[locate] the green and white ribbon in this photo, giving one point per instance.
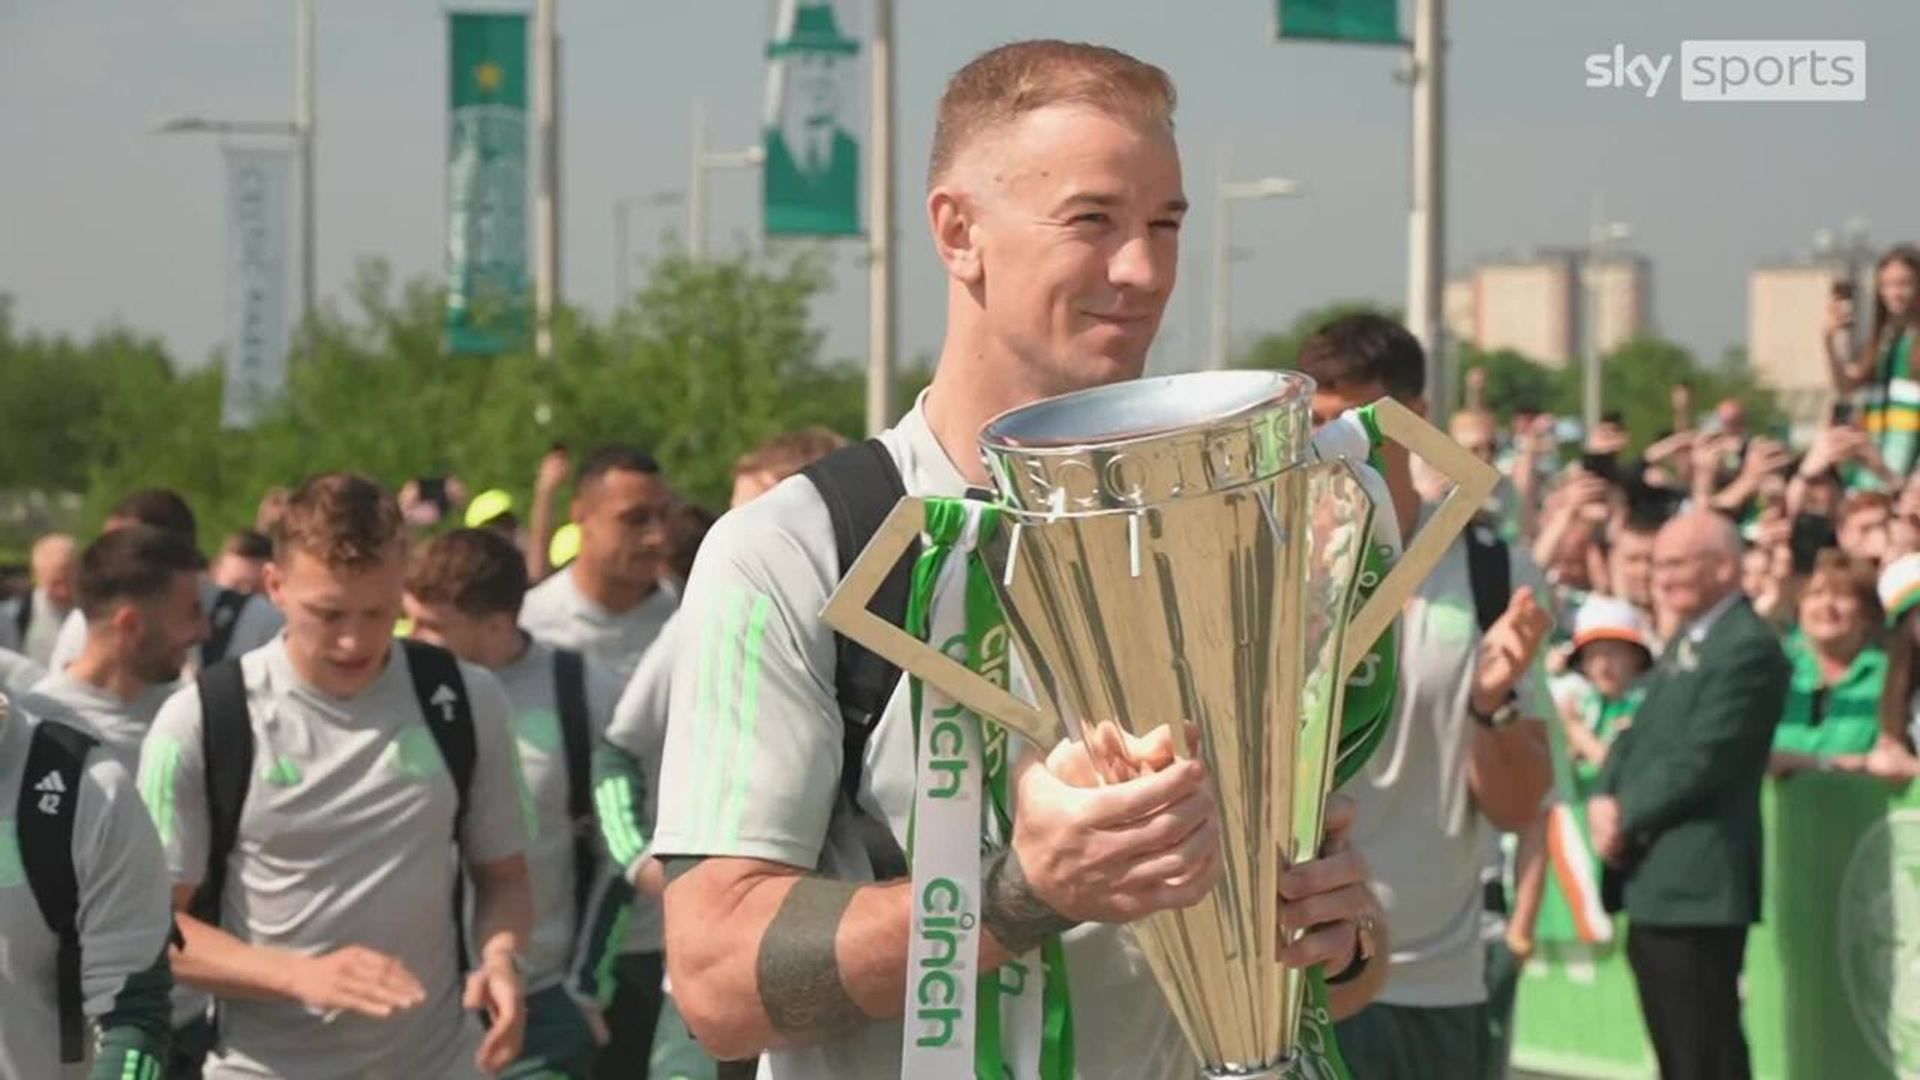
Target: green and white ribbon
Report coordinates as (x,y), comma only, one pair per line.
(943,955)
(1369,700)
(1015,1022)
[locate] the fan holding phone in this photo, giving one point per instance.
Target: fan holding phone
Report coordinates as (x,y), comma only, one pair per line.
(1882,371)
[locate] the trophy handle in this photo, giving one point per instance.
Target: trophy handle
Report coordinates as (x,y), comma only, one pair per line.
(1474,481)
(846,611)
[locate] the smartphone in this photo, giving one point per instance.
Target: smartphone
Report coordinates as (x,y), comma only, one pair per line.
(1811,535)
(1605,466)
(1842,414)
(433,489)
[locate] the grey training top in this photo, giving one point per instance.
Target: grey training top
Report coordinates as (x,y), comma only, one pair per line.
(344,840)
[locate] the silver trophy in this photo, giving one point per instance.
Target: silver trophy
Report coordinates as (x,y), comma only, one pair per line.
(1177,556)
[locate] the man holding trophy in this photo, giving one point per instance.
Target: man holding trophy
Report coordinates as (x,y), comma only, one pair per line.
(1149,889)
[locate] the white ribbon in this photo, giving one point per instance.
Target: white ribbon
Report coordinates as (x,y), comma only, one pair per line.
(943,957)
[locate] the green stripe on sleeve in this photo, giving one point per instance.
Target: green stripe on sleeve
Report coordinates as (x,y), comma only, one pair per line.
(157,783)
(601,939)
(137,1026)
(745,718)
(614,799)
(719,720)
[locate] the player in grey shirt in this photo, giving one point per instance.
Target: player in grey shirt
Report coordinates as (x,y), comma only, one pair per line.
(30,624)
(463,592)
(238,623)
(627,761)
(140,590)
(123,917)
(609,605)
(18,674)
(1056,201)
(336,950)
(611,601)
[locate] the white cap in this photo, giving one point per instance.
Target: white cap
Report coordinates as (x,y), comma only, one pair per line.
(1900,587)
(1609,618)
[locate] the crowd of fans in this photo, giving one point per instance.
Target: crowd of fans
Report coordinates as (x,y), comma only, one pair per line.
(1831,532)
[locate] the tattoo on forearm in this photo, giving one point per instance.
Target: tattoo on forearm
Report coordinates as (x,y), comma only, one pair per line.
(1017,918)
(799,970)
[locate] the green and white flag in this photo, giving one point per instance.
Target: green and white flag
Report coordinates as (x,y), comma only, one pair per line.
(487,309)
(1374,22)
(257,259)
(811,181)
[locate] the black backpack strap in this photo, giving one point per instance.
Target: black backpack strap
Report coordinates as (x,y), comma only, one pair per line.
(49,790)
(226,749)
(576,736)
(221,620)
(442,693)
(861,485)
(23,618)
(1489,572)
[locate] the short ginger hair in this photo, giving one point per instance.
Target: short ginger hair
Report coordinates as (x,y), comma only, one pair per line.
(346,520)
(788,453)
(1002,85)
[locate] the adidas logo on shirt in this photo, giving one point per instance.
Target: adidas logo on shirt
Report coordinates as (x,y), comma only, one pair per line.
(51,787)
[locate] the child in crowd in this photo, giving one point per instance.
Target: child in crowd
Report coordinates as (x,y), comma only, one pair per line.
(1597,698)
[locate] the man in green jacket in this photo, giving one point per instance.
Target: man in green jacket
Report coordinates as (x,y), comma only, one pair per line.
(1679,818)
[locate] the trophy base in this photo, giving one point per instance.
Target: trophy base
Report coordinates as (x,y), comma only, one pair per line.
(1274,1071)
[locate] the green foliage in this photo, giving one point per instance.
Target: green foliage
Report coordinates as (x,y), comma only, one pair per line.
(707,361)
(1513,381)
(1636,379)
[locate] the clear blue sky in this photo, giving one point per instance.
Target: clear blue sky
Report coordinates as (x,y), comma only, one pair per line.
(101,221)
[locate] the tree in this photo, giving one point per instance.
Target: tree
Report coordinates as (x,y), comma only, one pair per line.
(706,361)
(1513,381)
(1637,379)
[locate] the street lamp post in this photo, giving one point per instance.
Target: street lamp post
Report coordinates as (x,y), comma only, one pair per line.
(301,131)
(1226,194)
(301,136)
(304,137)
(1601,234)
(1426,217)
(704,161)
(622,259)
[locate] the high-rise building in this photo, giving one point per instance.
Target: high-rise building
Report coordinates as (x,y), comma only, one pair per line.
(1786,311)
(1787,315)
(1538,308)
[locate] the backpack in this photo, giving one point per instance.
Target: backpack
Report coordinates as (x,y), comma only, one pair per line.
(23,619)
(226,746)
(222,619)
(1489,574)
(860,485)
(576,737)
(56,756)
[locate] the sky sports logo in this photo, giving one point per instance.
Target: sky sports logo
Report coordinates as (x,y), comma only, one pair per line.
(1740,71)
